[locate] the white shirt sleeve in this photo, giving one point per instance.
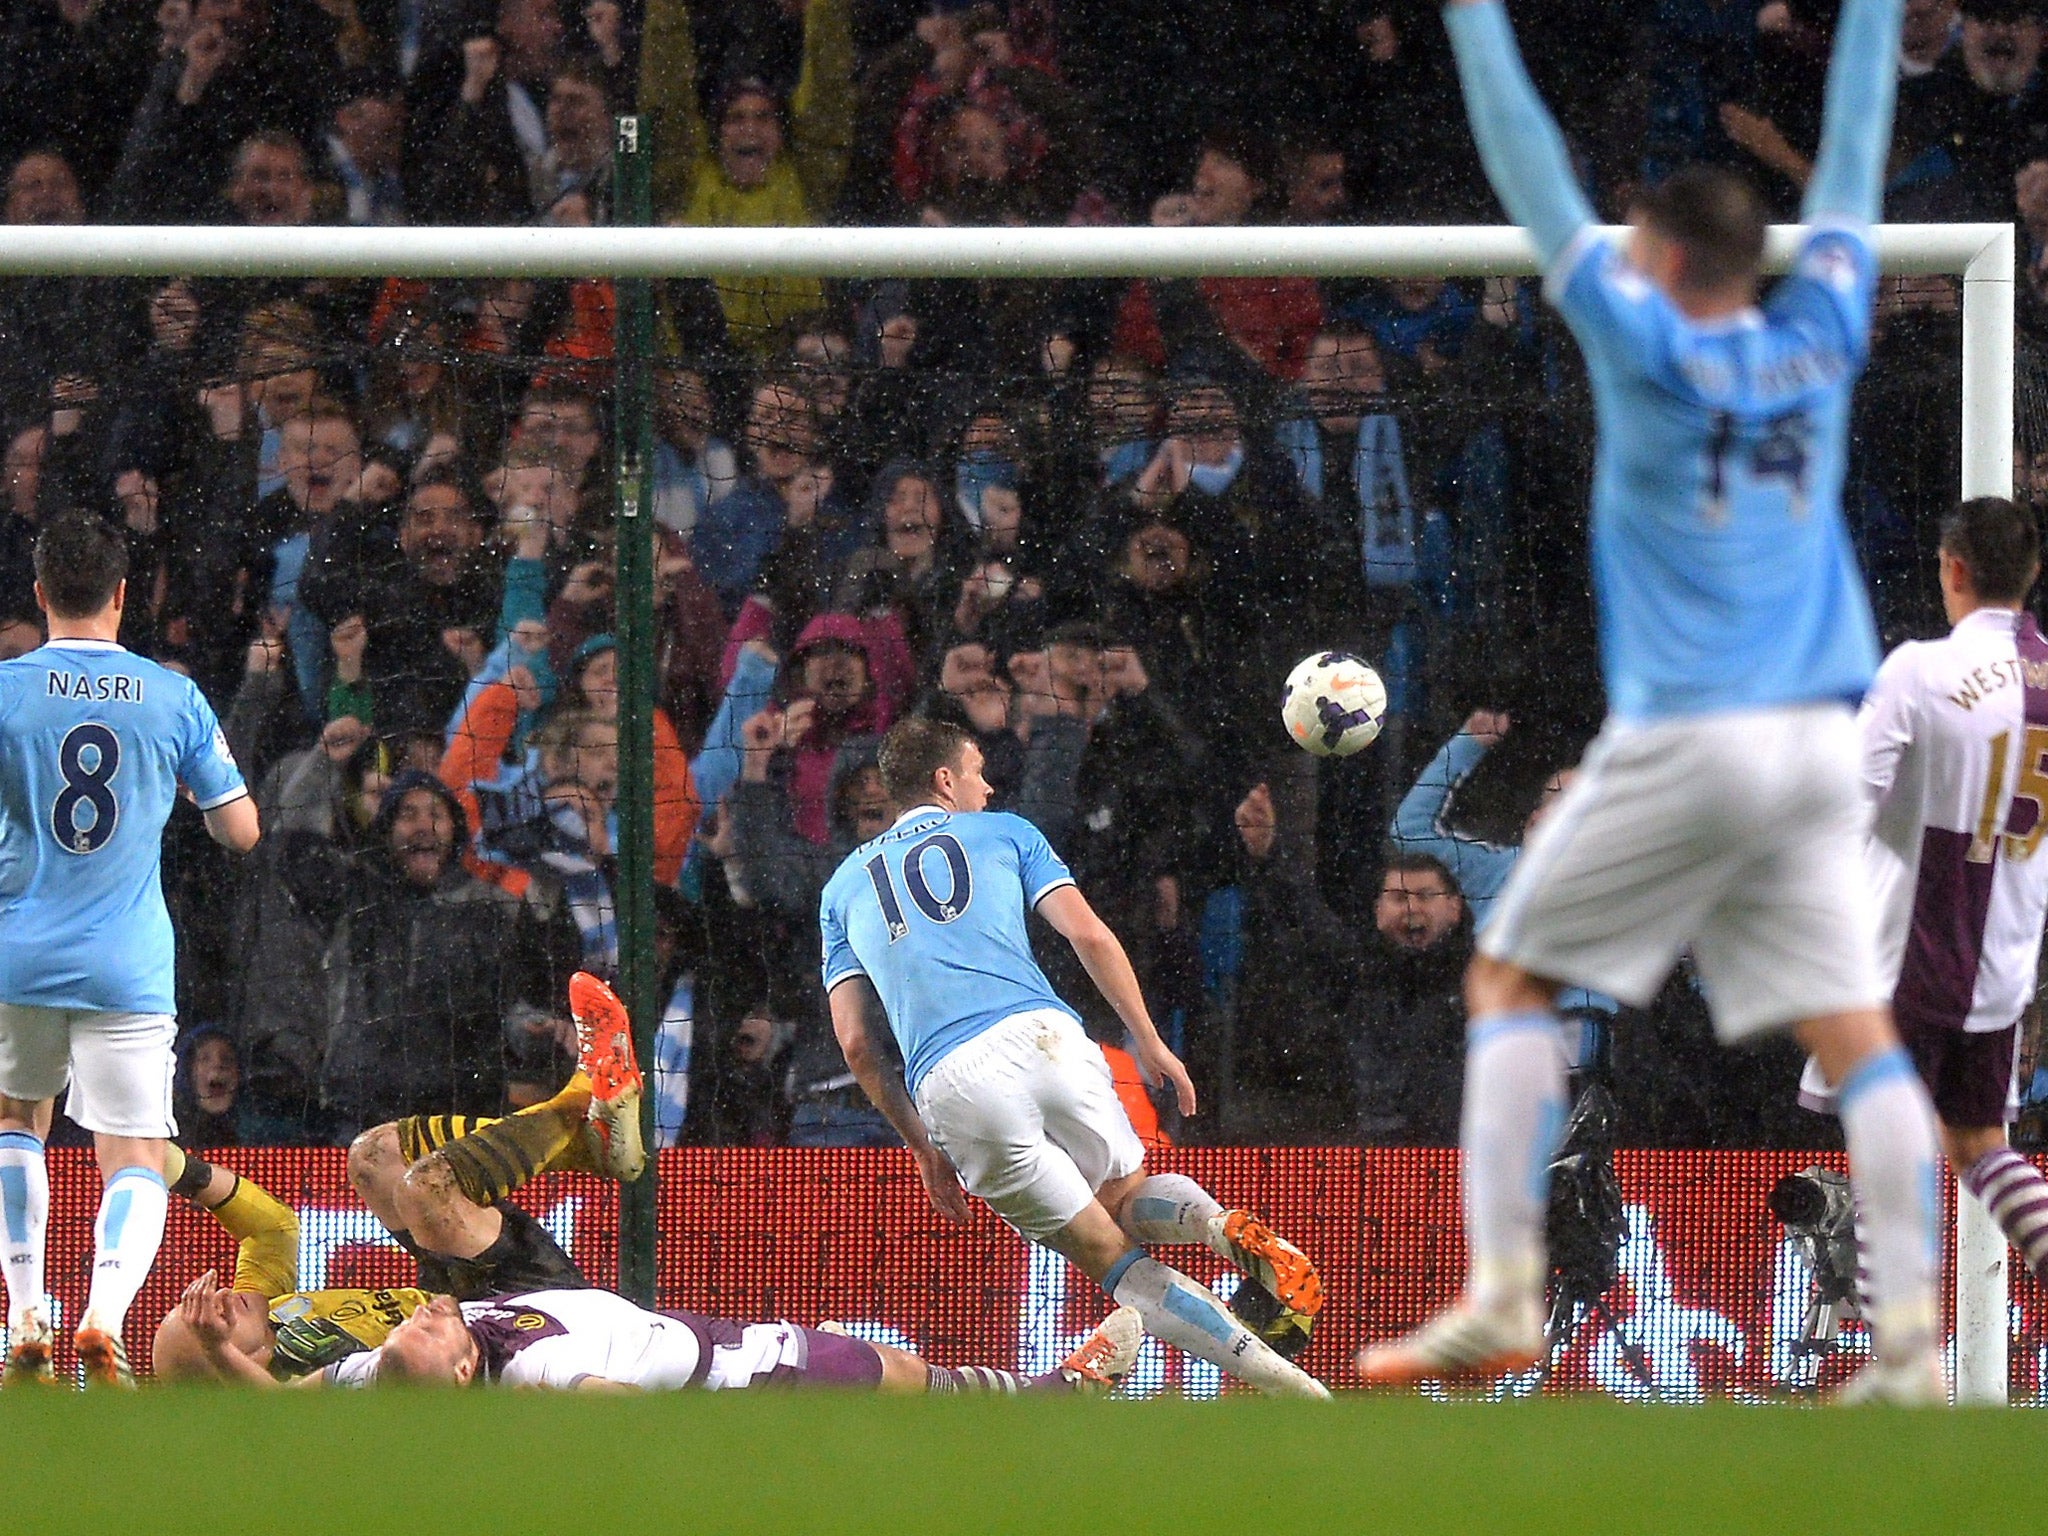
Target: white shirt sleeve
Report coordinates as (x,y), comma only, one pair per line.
(1889,720)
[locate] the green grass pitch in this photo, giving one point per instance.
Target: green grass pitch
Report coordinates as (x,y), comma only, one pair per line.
(437,1464)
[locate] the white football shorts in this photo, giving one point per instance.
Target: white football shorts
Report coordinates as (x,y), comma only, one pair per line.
(1029,1114)
(1740,835)
(119,1065)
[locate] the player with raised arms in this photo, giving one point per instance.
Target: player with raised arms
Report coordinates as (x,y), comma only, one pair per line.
(1003,1089)
(1721,807)
(95,745)
(1955,759)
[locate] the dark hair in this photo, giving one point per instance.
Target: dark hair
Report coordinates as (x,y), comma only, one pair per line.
(913,751)
(1999,543)
(80,560)
(1404,862)
(1714,217)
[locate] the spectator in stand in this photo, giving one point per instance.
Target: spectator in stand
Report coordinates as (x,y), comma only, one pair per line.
(232,70)
(362,153)
(428,598)
(21,518)
(1407,1053)
(760,161)
(1924,118)
(911,580)
(1424,825)
(465,179)
(1245,329)
(415,392)
(1312,172)
(206,1094)
(71,74)
(1999,106)
(959,127)
(497,80)
(694,468)
(406,1037)
(39,319)
(834,707)
(971,693)
(1297,987)
(787,487)
(1119,790)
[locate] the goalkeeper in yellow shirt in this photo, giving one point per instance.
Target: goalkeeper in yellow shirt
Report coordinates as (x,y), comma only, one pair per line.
(437,1183)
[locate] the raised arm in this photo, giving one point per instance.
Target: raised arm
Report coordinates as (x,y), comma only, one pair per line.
(1519,143)
(1856,124)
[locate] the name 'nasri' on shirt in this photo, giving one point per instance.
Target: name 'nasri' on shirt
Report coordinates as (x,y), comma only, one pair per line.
(108,688)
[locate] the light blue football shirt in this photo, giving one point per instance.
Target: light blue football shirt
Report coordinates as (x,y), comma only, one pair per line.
(1722,569)
(94,744)
(932,913)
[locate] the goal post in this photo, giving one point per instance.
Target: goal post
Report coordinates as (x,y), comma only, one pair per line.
(1981,255)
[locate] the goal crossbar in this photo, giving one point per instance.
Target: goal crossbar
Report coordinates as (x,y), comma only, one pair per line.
(1982,255)
(169,250)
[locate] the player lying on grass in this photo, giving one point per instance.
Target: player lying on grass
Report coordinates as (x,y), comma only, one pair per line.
(438,1184)
(1004,1091)
(595,1339)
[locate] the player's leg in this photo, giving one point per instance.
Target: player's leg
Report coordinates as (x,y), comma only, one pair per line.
(2010,1187)
(992,1103)
(1972,1080)
(1795,939)
(35,1049)
(1888,1125)
(24,1236)
(1173,1307)
(1097,1364)
(121,1070)
(1166,1208)
(1602,898)
(1514,1110)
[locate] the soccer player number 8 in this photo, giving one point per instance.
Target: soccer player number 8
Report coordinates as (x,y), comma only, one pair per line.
(88,760)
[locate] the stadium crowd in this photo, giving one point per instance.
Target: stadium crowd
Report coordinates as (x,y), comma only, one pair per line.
(1093,522)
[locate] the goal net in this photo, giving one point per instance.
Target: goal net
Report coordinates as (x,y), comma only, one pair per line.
(1089,493)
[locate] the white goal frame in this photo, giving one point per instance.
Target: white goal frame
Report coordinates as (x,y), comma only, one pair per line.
(1982,255)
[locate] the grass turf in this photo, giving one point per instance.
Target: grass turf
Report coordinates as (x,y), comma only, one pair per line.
(443,1463)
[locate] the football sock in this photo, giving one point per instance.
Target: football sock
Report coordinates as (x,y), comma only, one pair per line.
(24,1221)
(419,1135)
(1187,1315)
(2017,1197)
(1514,1111)
(1888,1124)
(1172,1208)
(572,1102)
(495,1159)
(983,1378)
(126,1237)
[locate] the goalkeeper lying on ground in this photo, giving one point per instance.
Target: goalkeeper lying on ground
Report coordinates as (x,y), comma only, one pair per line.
(437,1183)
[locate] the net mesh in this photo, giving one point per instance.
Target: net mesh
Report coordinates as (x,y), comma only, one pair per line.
(1095,523)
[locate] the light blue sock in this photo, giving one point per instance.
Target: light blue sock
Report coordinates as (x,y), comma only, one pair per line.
(1888,1124)
(1514,1113)
(126,1237)
(24,1222)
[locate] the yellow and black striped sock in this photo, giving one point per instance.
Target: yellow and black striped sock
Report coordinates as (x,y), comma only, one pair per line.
(572,1104)
(420,1134)
(490,1162)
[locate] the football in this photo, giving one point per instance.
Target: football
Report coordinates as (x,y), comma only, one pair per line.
(1333,704)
